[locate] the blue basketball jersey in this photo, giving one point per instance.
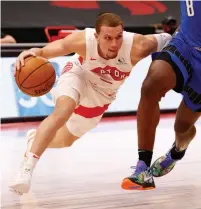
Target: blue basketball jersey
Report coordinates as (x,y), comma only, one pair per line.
(191,21)
(184,52)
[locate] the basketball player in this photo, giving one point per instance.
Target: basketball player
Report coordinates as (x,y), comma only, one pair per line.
(177,67)
(87,86)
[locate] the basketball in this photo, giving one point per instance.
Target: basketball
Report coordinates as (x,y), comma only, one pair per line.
(36,77)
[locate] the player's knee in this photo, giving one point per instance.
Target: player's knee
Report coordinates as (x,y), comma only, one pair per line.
(148,88)
(60,116)
(151,90)
(160,79)
(63,109)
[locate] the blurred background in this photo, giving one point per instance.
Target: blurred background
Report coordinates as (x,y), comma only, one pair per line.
(27,24)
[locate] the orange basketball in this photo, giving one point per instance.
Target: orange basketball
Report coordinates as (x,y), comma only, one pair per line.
(36,77)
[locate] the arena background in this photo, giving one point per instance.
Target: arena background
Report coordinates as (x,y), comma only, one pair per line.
(35,23)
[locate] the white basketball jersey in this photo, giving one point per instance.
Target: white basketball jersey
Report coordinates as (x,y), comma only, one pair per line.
(106,76)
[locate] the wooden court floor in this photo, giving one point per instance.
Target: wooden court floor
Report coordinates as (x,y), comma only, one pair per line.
(88,175)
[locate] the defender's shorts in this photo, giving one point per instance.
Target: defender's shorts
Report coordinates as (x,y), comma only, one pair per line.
(186,62)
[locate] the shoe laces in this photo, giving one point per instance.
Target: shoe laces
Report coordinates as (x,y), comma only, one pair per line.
(140,168)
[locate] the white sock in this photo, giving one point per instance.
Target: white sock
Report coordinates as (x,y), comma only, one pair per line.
(31,135)
(32,159)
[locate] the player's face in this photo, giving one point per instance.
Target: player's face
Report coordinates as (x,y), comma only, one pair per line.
(109,41)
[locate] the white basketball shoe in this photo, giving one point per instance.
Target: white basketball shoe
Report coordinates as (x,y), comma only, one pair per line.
(22,182)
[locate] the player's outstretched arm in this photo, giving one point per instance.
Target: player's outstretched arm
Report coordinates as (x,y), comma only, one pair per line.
(73,43)
(143,46)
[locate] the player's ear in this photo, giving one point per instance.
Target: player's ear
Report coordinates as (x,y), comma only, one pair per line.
(96,35)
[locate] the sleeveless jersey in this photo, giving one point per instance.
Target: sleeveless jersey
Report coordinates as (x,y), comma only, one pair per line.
(191,21)
(106,76)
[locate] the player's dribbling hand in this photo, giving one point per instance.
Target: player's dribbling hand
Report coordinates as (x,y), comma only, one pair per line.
(20,59)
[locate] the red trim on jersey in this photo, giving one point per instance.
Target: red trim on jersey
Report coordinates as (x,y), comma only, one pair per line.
(91,112)
(81,59)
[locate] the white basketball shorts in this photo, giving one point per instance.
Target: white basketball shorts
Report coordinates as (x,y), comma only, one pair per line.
(90,105)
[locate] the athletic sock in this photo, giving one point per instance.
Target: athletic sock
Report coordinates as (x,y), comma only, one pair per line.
(146,156)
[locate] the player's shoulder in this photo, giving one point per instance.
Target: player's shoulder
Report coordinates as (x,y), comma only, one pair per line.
(128,37)
(90,30)
(89,34)
(127,34)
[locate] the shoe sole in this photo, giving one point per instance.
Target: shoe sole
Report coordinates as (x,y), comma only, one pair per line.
(19,189)
(129,185)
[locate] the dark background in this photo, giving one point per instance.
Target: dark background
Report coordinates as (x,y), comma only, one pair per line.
(26,20)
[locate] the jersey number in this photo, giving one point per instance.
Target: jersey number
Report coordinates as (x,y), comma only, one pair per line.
(190,9)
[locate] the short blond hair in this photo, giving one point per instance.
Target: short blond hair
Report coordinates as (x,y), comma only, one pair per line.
(108,19)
